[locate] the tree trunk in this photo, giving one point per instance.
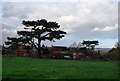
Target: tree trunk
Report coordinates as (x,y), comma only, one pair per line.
(39,48)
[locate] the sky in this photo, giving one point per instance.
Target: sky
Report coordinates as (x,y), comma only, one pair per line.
(81,19)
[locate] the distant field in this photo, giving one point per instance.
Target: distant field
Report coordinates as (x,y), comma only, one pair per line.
(29,68)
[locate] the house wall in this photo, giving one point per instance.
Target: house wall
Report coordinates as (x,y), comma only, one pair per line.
(20,50)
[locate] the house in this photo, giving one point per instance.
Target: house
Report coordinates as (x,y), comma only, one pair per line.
(61,52)
(21,51)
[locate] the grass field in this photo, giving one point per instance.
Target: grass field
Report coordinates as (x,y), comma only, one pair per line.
(29,68)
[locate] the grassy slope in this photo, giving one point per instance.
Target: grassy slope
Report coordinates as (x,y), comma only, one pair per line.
(28,68)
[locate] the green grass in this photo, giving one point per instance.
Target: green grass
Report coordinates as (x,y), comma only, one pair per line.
(29,68)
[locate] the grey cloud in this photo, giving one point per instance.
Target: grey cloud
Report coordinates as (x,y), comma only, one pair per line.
(85,32)
(19,10)
(77,18)
(5,26)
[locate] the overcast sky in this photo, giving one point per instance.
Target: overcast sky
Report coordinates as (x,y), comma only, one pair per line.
(81,19)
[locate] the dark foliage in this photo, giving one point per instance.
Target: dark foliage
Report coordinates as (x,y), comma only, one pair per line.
(39,30)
